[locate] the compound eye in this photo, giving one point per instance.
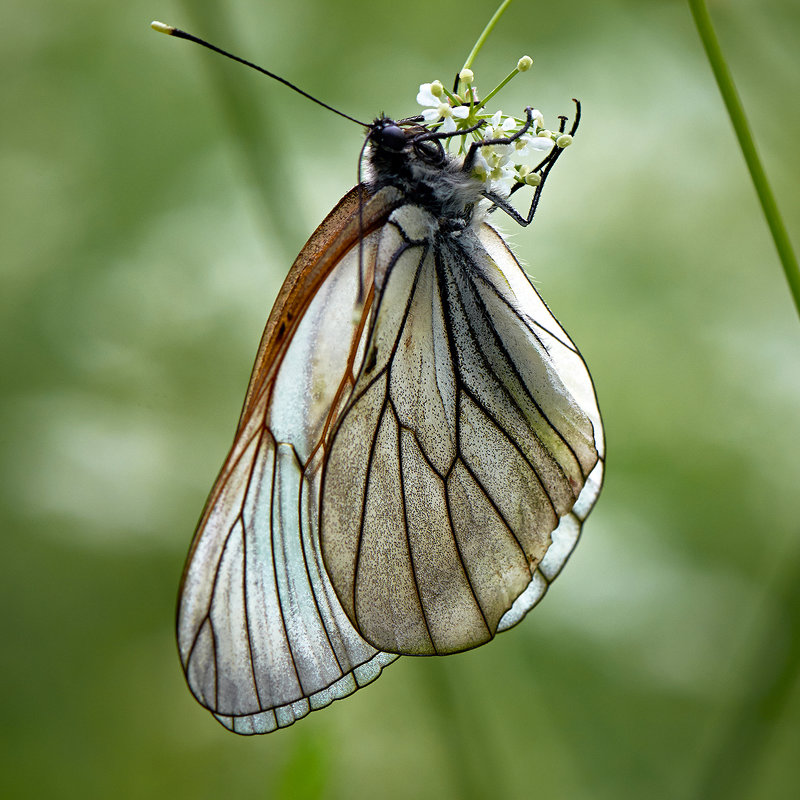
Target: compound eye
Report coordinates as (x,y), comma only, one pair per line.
(390,137)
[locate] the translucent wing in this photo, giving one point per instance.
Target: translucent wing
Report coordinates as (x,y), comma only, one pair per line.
(262,637)
(574,374)
(469,452)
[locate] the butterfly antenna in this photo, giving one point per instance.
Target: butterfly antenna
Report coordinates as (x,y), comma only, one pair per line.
(179,34)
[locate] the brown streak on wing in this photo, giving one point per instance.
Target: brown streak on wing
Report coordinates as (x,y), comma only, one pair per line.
(340,231)
(335,236)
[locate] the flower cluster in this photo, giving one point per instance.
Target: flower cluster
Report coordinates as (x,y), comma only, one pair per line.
(500,166)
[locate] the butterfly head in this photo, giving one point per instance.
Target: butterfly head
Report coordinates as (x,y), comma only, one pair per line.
(386,134)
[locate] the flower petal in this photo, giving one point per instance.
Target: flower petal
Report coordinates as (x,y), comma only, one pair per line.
(425,97)
(541,143)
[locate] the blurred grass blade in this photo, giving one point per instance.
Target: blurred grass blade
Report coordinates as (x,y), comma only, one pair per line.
(741,127)
(256,140)
(751,728)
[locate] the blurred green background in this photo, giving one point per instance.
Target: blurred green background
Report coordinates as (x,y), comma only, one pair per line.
(153,196)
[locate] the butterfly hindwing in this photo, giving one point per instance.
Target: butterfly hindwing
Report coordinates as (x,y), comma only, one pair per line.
(462,448)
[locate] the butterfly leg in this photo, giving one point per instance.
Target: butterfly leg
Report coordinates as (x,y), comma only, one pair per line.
(542,169)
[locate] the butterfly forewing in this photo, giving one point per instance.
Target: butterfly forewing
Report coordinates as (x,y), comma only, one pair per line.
(262,636)
(464,450)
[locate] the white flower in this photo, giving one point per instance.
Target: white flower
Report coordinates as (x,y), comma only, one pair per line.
(431,95)
(525,145)
(499,128)
(480,169)
(493,166)
(541,143)
(502,179)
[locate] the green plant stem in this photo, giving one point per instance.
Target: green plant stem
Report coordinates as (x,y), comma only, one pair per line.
(486,31)
(498,88)
(733,103)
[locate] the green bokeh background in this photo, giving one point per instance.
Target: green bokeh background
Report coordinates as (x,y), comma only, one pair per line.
(153,197)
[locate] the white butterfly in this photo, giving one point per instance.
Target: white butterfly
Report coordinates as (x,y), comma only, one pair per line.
(419,446)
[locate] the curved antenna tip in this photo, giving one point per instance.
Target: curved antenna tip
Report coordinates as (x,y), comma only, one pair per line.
(162,28)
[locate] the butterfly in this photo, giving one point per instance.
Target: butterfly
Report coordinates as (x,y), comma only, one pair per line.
(419,446)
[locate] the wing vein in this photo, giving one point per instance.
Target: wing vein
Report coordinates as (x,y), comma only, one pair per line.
(528,321)
(566,341)
(370,460)
(461,561)
(461,383)
(511,366)
(401,326)
(272,527)
(300,518)
(408,535)
(511,442)
(247,617)
(497,511)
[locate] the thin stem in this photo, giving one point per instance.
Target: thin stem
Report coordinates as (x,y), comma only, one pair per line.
(485,35)
(744,135)
(498,88)
(746,737)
